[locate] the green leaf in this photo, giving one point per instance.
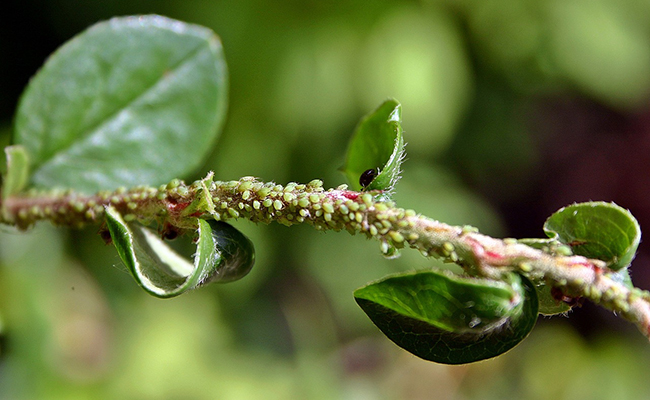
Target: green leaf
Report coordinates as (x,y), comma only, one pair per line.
(377,144)
(130,101)
(548,304)
(597,230)
(223,254)
(450,319)
(15,180)
(234,253)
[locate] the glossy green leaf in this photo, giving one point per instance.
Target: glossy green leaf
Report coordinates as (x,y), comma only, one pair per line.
(17,174)
(234,254)
(450,319)
(598,230)
(133,100)
(377,144)
(223,254)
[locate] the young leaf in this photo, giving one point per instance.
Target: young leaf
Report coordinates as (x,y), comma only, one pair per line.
(598,230)
(450,319)
(376,150)
(17,174)
(223,254)
(130,101)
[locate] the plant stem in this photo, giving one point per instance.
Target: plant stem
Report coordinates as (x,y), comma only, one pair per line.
(178,205)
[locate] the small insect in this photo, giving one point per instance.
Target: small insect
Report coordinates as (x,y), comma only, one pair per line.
(368,176)
(571,301)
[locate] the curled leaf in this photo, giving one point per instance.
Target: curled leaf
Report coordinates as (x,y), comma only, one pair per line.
(598,230)
(450,319)
(236,254)
(376,150)
(223,254)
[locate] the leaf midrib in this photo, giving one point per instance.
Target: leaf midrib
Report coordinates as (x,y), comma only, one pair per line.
(89,132)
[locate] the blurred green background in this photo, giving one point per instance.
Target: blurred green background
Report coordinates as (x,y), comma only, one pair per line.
(512,109)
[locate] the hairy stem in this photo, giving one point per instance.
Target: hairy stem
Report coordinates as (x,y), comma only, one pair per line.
(176,206)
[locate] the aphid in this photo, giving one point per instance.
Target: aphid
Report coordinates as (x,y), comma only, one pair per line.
(368,176)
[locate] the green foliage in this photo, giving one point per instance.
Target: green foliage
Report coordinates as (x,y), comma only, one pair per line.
(416,54)
(377,143)
(598,230)
(599,46)
(601,38)
(450,319)
(130,101)
(168,120)
(223,254)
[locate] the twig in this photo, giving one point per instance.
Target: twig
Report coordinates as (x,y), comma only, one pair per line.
(176,206)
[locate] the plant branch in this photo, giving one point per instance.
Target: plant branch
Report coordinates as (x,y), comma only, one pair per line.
(177,205)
